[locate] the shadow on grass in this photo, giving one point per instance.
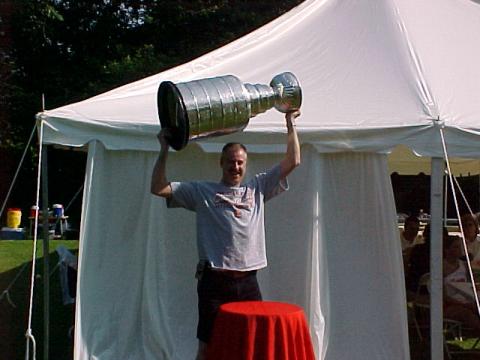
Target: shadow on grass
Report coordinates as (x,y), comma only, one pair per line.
(14,320)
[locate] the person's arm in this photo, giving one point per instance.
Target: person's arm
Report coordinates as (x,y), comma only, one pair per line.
(160,185)
(292,156)
(448,301)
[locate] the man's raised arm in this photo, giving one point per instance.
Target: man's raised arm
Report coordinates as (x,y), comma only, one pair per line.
(159,185)
(292,156)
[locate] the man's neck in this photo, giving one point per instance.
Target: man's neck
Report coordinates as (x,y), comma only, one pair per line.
(227,184)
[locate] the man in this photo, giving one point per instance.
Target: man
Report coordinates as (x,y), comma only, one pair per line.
(230,223)
(409,236)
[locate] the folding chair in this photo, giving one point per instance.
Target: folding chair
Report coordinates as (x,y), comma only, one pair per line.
(452,329)
(420,306)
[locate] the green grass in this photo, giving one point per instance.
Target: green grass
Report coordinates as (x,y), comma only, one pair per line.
(466,344)
(14,254)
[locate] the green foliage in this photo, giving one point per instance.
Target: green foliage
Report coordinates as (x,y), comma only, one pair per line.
(72,50)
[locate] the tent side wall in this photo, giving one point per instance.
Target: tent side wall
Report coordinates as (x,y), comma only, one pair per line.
(332,245)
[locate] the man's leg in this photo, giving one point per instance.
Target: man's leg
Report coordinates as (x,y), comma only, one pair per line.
(248,288)
(215,289)
(212,292)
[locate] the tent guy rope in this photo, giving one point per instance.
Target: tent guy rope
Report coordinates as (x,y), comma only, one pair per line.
(29,336)
(18,169)
(469,265)
(463,195)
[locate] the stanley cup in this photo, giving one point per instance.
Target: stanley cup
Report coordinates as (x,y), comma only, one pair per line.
(220,105)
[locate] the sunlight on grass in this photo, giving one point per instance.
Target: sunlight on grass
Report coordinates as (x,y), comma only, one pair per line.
(466,344)
(14,253)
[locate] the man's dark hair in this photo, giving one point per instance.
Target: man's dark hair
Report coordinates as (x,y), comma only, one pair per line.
(412,218)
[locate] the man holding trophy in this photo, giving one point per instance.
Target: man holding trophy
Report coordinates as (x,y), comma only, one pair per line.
(230,213)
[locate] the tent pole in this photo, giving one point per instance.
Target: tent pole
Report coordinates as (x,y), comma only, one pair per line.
(436,259)
(46,252)
(445,202)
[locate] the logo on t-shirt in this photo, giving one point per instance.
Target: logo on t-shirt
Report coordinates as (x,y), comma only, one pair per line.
(238,199)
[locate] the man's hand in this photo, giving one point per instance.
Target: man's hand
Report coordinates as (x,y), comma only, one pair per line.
(162,136)
(159,184)
(291,116)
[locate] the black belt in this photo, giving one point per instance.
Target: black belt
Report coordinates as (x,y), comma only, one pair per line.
(232,274)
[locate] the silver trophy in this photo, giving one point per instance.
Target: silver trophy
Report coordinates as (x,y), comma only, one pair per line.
(220,105)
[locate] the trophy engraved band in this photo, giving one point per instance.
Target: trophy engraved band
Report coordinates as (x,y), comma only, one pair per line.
(220,105)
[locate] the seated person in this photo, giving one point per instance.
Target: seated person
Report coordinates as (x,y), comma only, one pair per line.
(420,261)
(470,230)
(409,236)
(457,305)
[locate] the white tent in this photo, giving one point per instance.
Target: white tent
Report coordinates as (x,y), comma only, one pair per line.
(374,74)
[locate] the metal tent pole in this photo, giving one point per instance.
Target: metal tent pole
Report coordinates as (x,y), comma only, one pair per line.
(445,202)
(46,252)
(436,259)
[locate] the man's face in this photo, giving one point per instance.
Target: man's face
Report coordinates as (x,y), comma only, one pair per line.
(234,166)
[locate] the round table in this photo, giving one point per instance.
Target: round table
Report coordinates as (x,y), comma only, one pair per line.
(260,330)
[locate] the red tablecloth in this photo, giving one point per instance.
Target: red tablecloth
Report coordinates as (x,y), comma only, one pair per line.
(260,330)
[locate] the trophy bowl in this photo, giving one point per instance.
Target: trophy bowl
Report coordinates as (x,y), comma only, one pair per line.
(220,105)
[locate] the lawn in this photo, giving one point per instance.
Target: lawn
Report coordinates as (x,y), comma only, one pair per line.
(15,260)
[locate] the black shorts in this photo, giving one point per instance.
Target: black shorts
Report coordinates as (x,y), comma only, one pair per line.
(216,288)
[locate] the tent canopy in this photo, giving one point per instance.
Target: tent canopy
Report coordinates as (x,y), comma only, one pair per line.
(373,74)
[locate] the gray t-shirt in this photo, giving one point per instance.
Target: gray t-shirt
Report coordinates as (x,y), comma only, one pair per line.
(230,219)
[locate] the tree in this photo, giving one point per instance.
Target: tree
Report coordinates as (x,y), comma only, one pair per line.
(71,50)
